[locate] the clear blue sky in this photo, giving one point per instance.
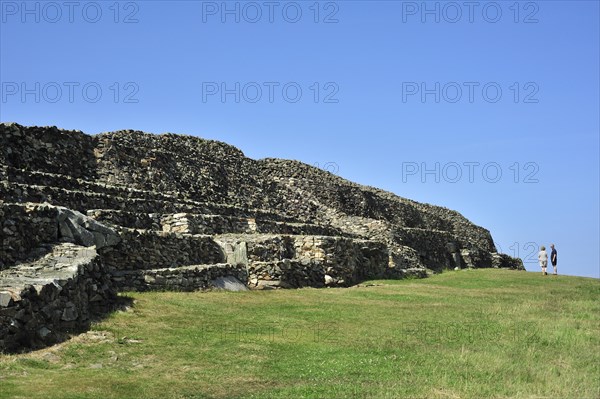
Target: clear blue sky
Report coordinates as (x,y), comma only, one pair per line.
(378,66)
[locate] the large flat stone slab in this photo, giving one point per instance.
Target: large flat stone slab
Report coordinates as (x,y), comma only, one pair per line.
(229,283)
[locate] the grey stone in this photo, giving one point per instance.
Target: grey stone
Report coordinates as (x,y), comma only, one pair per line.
(77,227)
(240,255)
(457,260)
(70,312)
(99,239)
(81,235)
(43,332)
(112,239)
(229,283)
(65,231)
(5,299)
(268,285)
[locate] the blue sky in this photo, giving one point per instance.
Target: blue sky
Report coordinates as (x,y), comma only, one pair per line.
(488,108)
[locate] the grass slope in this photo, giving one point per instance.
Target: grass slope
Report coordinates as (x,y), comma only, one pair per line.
(465,334)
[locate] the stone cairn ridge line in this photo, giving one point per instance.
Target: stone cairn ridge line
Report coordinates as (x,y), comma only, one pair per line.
(82,217)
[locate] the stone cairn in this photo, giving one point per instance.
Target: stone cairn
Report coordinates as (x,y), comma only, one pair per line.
(83,217)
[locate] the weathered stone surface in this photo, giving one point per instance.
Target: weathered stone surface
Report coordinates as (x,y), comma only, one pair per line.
(85,230)
(6,299)
(45,300)
(229,283)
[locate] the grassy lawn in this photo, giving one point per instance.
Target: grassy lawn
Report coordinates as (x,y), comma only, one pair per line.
(465,334)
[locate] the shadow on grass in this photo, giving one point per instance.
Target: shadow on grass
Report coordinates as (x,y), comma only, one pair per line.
(27,342)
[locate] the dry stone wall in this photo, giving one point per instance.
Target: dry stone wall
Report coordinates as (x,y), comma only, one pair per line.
(48,149)
(24,230)
(304,260)
(147,249)
(184,278)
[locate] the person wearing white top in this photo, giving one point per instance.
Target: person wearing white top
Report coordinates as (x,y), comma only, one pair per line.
(543,258)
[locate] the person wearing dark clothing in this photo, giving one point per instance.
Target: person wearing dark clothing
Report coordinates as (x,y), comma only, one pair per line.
(553,258)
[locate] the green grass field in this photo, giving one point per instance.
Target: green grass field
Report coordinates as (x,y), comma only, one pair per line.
(465,334)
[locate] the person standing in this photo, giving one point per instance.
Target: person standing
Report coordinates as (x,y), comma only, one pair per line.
(553,258)
(543,258)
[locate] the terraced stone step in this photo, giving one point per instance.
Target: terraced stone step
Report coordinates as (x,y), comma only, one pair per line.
(128,219)
(150,249)
(183,278)
(39,178)
(25,178)
(286,273)
(61,263)
(60,293)
(194,223)
(298,273)
(218,224)
(292,261)
(83,201)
